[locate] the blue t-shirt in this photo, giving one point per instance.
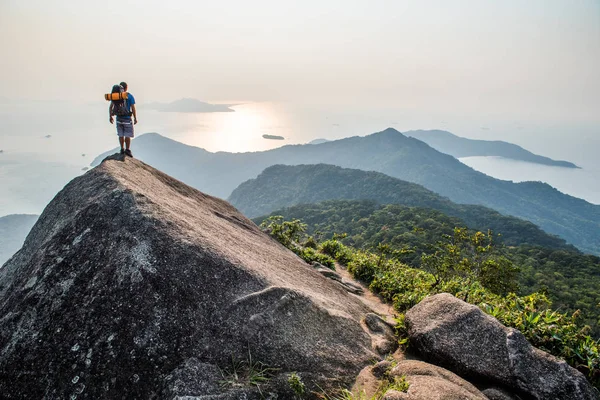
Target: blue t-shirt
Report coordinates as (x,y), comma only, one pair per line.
(128,103)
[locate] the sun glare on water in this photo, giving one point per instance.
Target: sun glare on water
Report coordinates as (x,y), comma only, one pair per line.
(238,131)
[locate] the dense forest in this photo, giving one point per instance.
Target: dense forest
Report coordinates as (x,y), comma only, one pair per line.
(569,278)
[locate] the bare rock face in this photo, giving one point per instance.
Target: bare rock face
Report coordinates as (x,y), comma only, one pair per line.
(428,381)
(132,285)
(425,382)
(498,394)
(459,336)
(436,388)
(346,284)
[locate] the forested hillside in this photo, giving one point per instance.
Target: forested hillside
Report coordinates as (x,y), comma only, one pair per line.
(571,279)
(282,186)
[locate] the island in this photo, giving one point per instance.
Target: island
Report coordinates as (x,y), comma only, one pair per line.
(273,137)
(188,105)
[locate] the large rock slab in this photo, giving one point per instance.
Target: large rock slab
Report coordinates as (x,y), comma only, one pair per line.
(425,382)
(133,285)
(428,381)
(459,336)
(432,388)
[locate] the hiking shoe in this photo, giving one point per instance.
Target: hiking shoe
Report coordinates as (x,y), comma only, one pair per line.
(128,153)
(122,151)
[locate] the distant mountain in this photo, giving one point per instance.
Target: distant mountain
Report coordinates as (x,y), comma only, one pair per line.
(456,146)
(13,231)
(282,186)
(393,154)
(189,106)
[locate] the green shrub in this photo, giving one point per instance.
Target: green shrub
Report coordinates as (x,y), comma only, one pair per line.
(401,331)
(336,249)
(557,333)
(290,234)
(331,247)
(311,242)
(287,233)
(310,255)
(401,285)
(363,266)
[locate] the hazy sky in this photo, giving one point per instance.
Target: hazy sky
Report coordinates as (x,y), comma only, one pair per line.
(537,59)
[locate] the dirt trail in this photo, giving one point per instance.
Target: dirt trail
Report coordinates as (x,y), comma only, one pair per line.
(370,299)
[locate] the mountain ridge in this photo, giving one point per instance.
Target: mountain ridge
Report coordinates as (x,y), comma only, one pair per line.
(282,186)
(458,147)
(393,154)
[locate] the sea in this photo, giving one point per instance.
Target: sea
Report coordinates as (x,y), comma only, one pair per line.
(43,144)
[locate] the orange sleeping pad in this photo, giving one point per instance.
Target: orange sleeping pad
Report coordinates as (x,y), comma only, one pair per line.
(116,96)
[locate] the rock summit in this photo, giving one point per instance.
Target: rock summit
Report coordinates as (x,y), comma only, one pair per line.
(132,285)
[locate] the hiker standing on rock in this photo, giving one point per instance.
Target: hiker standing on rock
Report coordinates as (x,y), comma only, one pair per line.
(123,110)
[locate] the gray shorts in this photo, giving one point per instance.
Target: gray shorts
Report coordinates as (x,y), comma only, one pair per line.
(125,129)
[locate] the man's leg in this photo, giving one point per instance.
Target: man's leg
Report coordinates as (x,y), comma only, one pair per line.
(128,133)
(121,135)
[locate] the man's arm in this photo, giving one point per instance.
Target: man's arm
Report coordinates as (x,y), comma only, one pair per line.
(110,112)
(134,114)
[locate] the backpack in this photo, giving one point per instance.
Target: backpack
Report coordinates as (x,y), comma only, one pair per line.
(120,106)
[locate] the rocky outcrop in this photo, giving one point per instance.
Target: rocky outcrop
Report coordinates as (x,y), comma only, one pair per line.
(428,381)
(498,394)
(423,382)
(432,388)
(459,336)
(134,285)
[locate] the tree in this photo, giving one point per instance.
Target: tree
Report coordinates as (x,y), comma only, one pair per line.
(472,256)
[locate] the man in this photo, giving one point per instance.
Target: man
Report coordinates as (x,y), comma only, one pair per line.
(124,123)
